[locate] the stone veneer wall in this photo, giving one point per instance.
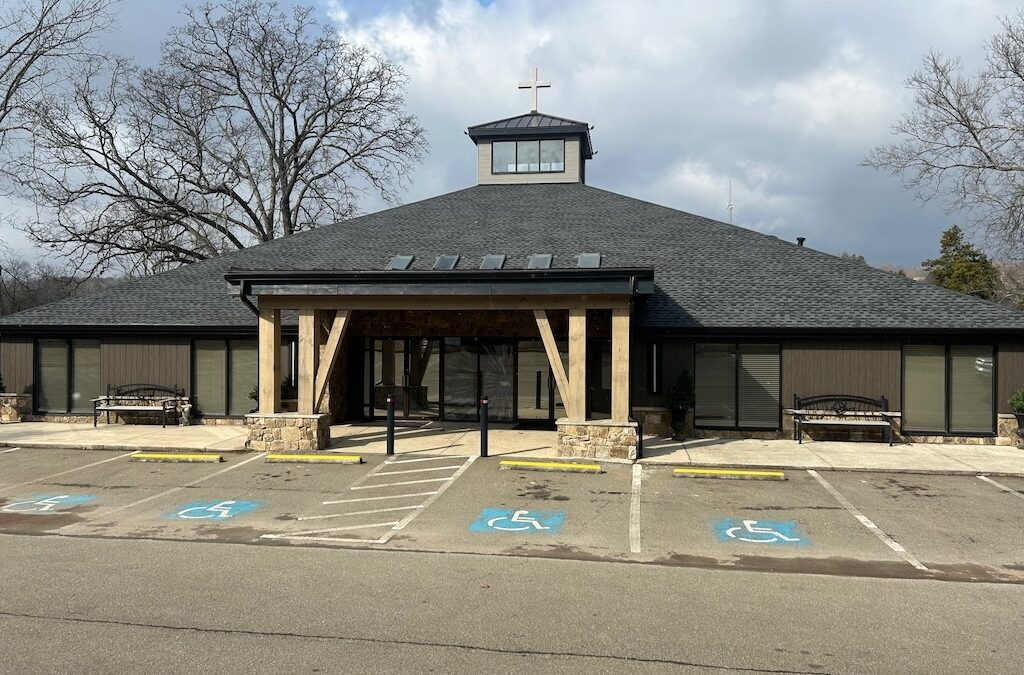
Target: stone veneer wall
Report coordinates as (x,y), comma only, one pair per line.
(14,407)
(288,432)
(598,439)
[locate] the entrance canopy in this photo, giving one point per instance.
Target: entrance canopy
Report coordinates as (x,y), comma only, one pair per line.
(315,293)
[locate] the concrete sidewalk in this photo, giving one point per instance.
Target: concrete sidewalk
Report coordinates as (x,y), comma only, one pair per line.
(227,438)
(832,455)
(444,438)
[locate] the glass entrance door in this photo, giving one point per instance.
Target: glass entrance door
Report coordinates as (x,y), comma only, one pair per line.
(498,380)
(472,369)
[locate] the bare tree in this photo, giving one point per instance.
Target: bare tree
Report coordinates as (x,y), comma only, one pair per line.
(255,125)
(963,141)
(25,284)
(37,37)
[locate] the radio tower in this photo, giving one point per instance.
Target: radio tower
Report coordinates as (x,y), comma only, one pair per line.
(729,206)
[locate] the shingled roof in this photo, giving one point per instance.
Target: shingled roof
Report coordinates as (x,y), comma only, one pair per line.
(534,124)
(708,274)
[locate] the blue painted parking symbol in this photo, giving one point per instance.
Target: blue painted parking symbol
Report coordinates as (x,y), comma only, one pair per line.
(523,521)
(218,509)
(782,532)
(43,504)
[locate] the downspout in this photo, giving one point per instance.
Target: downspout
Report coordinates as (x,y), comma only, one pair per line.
(244,295)
(629,355)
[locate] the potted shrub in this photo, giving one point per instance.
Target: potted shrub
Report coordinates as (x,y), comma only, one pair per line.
(1017,403)
(679,400)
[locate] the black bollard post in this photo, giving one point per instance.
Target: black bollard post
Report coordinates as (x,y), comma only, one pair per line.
(483,426)
(538,394)
(391,424)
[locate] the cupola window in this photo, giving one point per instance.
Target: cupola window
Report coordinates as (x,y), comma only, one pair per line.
(537,156)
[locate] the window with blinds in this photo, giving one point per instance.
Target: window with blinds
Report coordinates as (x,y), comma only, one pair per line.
(209,379)
(244,375)
(758,386)
(52,381)
(736,386)
(85,374)
(948,389)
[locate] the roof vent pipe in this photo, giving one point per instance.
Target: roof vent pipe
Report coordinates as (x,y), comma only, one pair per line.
(800,241)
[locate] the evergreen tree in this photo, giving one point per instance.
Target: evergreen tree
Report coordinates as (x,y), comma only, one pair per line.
(962,267)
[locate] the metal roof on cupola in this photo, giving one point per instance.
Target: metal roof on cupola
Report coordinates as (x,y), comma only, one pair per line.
(534,124)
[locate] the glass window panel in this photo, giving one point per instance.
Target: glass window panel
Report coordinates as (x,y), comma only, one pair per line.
(759,386)
(244,376)
(552,155)
(493,261)
(527,155)
(503,157)
(497,380)
(424,377)
(534,381)
(446,262)
(924,388)
(460,385)
(85,374)
(970,389)
(539,261)
(210,364)
(588,261)
(399,262)
(52,389)
(715,385)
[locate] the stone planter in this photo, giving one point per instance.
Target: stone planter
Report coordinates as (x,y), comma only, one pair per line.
(288,432)
(597,439)
(14,407)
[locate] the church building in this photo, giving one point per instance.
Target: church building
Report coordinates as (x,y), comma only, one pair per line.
(566,306)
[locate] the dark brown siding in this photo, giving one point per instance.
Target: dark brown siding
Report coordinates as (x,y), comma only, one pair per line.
(856,367)
(1010,377)
(16,363)
(162,360)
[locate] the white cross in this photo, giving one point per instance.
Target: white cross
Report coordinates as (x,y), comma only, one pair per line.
(534,84)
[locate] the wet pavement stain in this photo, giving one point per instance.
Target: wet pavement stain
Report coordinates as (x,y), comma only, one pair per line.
(541,491)
(896,489)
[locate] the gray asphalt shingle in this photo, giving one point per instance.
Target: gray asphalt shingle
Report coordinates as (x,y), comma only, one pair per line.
(708,274)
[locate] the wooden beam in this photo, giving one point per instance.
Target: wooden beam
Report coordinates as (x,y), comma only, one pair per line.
(453,303)
(330,357)
(270,360)
(577,365)
(309,358)
(620,365)
(547,336)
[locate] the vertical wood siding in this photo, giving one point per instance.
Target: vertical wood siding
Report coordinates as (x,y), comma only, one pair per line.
(130,359)
(1010,375)
(16,363)
(857,367)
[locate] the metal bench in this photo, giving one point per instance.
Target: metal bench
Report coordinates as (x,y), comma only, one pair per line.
(840,410)
(136,398)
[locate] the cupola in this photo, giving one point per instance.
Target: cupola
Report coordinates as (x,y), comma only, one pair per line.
(532,148)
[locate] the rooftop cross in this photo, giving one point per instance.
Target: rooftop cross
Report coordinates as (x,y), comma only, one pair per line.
(534,84)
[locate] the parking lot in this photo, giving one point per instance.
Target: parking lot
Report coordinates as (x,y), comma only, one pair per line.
(965,528)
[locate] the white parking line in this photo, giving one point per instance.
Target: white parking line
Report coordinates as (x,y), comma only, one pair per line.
(875,530)
(292,535)
(374,499)
(634,510)
(186,485)
(418,459)
(1001,486)
(4,452)
(408,519)
(63,473)
(408,482)
(433,468)
(360,513)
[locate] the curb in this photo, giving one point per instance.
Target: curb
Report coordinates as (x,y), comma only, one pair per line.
(325,458)
(847,469)
(109,447)
(186,457)
(564,467)
(728,474)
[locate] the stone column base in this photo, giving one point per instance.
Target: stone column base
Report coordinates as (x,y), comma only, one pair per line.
(600,439)
(288,432)
(14,407)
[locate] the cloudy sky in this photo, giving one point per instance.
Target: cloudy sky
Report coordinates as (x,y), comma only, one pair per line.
(782,98)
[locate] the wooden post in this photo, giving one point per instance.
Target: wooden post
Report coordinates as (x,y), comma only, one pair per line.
(547,336)
(576,408)
(620,365)
(270,361)
(309,357)
(330,356)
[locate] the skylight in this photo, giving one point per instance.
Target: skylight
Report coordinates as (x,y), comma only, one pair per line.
(588,261)
(446,262)
(400,262)
(493,261)
(539,261)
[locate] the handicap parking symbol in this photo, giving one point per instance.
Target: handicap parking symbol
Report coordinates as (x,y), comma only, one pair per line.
(43,504)
(521,520)
(213,510)
(782,532)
